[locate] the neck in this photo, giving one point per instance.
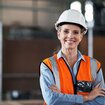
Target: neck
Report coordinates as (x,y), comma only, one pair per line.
(70,55)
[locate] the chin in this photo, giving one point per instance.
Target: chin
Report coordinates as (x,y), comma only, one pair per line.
(70,48)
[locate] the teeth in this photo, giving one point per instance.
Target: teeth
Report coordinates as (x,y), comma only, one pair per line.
(70,41)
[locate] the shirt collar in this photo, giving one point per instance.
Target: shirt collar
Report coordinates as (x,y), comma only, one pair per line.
(80,56)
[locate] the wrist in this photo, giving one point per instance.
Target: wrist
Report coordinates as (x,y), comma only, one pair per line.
(85,98)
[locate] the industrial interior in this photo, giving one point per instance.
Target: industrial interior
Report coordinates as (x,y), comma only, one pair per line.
(28,35)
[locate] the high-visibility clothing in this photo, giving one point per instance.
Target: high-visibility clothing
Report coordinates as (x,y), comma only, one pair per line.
(87,72)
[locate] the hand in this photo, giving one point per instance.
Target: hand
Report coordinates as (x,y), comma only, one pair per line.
(95,93)
(54,88)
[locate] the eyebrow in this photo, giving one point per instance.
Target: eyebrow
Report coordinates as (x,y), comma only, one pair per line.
(72,30)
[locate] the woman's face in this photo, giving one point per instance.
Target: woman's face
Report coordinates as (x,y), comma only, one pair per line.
(70,36)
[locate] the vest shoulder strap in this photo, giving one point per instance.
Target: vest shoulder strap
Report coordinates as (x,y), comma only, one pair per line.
(55,71)
(95,66)
(47,62)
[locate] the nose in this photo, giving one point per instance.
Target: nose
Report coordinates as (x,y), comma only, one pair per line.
(70,35)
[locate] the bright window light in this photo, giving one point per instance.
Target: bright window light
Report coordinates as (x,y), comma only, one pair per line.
(89,11)
(76,5)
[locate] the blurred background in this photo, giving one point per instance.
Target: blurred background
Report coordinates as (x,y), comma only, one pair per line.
(27,36)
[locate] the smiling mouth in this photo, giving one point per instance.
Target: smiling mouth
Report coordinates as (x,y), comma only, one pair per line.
(70,41)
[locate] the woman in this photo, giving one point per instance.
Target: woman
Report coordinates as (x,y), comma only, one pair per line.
(68,77)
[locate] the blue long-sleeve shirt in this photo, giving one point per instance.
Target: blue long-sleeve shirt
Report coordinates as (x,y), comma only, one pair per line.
(54,98)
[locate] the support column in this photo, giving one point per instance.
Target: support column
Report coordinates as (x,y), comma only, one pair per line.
(1,41)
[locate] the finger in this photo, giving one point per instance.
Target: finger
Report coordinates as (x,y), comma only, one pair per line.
(98,85)
(55,90)
(101,94)
(53,87)
(103,90)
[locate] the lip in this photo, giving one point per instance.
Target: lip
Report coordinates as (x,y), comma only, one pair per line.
(70,41)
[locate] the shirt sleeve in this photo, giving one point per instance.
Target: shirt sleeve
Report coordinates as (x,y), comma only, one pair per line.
(98,100)
(54,98)
(99,79)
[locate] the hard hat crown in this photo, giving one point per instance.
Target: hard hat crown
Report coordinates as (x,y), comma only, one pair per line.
(71,16)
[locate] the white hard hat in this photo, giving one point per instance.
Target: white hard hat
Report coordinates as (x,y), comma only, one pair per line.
(72,16)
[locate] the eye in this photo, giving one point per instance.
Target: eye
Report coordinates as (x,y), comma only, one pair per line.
(76,32)
(66,31)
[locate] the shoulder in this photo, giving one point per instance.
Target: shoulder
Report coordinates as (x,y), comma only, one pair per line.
(46,67)
(97,61)
(46,63)
(93,60)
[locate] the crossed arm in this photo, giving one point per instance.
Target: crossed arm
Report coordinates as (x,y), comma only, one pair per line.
(96,92)
(53,96)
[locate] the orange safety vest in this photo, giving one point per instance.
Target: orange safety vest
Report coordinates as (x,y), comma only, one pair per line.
(87,71)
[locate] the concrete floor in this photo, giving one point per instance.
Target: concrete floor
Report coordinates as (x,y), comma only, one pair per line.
(22,102)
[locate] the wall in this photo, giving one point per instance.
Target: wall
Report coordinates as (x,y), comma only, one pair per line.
(21,60)
(99,50)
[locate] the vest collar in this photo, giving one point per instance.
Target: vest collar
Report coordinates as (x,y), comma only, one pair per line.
(80,56)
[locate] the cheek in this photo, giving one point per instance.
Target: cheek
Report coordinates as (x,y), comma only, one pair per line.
(60,38)
(80,38)
(58,35)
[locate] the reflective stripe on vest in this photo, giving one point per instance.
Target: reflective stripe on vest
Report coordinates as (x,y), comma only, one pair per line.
(55,71)
(94,68)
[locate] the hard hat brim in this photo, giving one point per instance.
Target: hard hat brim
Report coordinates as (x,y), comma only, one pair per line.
(62,23)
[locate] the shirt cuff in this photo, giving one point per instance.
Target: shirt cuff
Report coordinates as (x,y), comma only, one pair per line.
(79,99)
